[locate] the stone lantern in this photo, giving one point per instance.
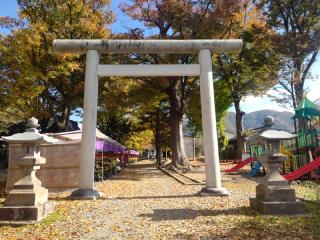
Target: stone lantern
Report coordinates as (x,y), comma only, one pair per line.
(274,195)
(28,200)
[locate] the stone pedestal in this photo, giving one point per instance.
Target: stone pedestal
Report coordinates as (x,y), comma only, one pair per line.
(274,196)
(24,214)
(27,202)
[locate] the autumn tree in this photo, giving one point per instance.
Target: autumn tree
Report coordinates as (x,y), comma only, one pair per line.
(252,71)
(44,84)
(118,114)
(140,105)
(152,108)
(113,116)
(126,128)
(158,119)
(177,20)
(223,102)
(298,31)
(15,96)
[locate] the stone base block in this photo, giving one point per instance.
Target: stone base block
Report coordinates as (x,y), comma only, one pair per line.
(27,197)
(278,208)
(85,194)
(214,191)
(275,193)
(24,214)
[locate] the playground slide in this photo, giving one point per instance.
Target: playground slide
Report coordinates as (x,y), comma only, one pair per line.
(303,170)
(255,170)
(240,165)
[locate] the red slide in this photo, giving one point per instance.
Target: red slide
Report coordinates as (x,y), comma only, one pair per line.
(303,170)
(240,165)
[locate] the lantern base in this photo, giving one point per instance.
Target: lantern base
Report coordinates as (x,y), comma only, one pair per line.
(278,208)
(17,215)
(274,196)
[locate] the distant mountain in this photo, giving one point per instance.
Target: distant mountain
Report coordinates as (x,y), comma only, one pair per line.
(230,122)
(283,120)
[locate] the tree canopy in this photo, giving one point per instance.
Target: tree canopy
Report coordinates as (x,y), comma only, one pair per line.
(298,31)
(182,20)
(37,81)
(280,37)
(255,69)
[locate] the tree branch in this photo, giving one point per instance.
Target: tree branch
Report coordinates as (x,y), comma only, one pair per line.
(306,70)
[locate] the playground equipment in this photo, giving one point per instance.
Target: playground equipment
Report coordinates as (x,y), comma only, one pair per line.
(255,151)
(288,164)
(303,170)
(292,162)
(254,171)
(308,136)
(308,140)
(238,166)
(310,167)
(298,148)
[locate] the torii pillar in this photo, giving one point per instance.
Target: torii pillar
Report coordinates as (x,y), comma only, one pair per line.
(94,70)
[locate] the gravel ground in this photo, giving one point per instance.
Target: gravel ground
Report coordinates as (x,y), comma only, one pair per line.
(144,203)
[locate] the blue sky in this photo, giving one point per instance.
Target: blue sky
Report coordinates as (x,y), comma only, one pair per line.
(122,23)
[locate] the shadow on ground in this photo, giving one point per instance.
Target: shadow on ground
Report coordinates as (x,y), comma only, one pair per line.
(188,213)
(236,175)
(141,174)
(258,228)
(157,197)
(137,172)
(251,226)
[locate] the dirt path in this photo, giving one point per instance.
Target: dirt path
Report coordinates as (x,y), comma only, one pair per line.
(145,203)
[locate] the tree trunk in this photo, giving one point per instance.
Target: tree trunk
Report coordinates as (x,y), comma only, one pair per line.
(239,128)
(179,157)
(63,121)
(294,104)
(298,89)
(157,137)
(66,118)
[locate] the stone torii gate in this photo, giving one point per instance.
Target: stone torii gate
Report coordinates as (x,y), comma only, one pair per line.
(93,48)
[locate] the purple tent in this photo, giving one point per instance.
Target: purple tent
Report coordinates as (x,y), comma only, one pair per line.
(133,152)
(103,142)
(103,146)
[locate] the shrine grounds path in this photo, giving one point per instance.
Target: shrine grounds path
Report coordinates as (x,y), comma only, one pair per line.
(144,203)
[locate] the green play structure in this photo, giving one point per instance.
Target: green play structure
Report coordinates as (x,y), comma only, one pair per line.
(308,138)
(300,151)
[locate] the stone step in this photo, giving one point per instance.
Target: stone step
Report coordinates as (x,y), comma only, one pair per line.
(278,208)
